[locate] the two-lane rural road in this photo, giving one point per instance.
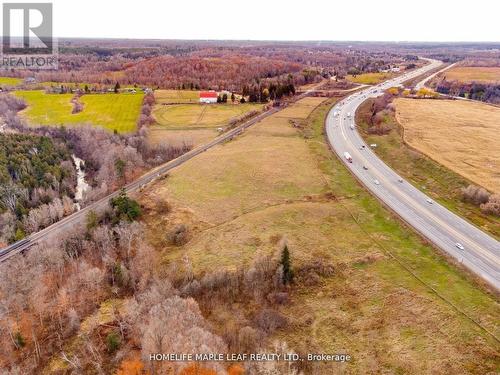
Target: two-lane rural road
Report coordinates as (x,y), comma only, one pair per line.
(77,219)
(461,240)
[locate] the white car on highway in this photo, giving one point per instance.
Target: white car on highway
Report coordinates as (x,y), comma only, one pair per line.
(460,246)
(429,200)
(376,182)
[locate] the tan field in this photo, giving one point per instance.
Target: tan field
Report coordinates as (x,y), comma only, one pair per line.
(480,74)
(177,96)
(301,109)
(158,134)
(240,199)
(199,115)
(192,123)
(461,135)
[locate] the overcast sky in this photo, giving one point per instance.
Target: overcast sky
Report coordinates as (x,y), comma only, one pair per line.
(370,20)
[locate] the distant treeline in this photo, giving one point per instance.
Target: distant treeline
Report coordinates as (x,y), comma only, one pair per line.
(215,65)
(489,93)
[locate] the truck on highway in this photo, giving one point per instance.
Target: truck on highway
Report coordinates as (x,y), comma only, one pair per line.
(348,157)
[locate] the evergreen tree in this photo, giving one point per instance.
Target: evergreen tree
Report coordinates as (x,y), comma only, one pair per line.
(286,264)
(92,220)
(120,168)
(19,340)
(125,208)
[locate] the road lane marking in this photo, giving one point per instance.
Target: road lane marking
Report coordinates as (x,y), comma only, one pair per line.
(419,209)
(423,210)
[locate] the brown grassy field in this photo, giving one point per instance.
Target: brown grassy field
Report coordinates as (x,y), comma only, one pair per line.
(199,115)
(158,134)
(192,123)
(176,96)
(460,135)
(275,182)
(480,74)
(301,109)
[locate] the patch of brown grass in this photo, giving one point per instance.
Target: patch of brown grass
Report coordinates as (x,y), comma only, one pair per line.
(158,134)
(461,135)
(301,109)
(468,74)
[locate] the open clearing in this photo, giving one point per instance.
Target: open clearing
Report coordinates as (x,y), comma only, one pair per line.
(158,134)
(370,78)
(193,123)
(176,96)
(10,81)
(111,111)
(301,109)
(199,115)
(462,136)
(468,74)
(238,199)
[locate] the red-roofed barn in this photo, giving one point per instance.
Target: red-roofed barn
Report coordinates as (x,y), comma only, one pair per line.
(208,97)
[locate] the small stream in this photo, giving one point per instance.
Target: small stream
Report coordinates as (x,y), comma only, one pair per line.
(81,184)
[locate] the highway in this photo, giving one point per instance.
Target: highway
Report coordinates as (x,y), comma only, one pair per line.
(471,247)
(422,83)
(78,218)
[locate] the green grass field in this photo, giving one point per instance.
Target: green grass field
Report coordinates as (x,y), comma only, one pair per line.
(10,81)
(66,84)
(81,85)
(111,111)
(370,78)
(199,115)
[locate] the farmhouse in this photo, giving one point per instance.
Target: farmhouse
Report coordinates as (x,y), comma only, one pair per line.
(208,97)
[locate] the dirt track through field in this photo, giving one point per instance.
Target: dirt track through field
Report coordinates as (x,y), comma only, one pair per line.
(202,113)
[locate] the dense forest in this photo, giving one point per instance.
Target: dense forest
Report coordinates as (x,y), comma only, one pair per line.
(209,65)
(34,172)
